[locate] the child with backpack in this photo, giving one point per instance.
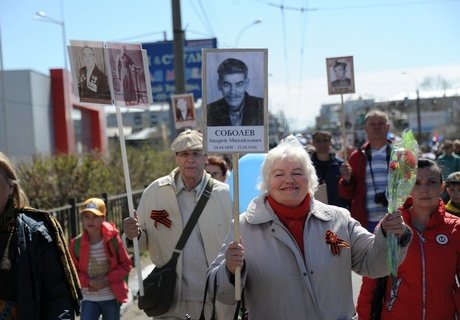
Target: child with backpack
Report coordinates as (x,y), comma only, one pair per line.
(102,264)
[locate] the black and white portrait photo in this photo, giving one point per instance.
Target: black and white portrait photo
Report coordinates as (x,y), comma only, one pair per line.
(340,75)
(235,90)
(130,74)
(89,72)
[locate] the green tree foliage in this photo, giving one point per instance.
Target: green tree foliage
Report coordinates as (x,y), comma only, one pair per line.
(49,182)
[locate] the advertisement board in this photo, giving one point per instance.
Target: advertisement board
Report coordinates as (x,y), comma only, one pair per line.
(161,66)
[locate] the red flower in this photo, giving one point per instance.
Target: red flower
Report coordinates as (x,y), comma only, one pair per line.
(393,165)
(410,159)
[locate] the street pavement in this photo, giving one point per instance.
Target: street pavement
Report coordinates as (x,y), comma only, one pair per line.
(130,310)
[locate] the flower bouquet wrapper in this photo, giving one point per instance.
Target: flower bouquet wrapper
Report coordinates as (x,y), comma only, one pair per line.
(401,179)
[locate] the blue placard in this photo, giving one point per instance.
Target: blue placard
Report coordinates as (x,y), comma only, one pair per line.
(161,67)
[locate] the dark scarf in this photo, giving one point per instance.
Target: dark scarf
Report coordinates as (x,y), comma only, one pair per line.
(293,218)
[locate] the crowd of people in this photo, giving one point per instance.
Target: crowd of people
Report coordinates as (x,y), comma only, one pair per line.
(295,253)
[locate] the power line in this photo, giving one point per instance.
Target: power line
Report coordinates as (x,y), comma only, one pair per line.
(198,15)
(285,44)
(141,36)
(210,30)
(394,4)
(303,37)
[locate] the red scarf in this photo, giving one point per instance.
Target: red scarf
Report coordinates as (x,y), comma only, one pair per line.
(293,218)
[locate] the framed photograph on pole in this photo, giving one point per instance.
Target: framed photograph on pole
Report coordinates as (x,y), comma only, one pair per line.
(184,110)
(89,72)
(340,75)
(235,96)
(130,75)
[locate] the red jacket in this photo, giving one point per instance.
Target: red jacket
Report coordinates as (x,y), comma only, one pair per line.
(120,262)
(427,274)
(355,191)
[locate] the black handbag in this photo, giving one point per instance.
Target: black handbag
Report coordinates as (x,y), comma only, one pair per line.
(160,284)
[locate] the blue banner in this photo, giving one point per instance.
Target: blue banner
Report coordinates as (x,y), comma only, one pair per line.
(161,67)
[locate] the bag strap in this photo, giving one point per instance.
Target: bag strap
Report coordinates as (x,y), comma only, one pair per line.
(241,308)
(213,315)
(194,217)
(77,245)
(76,248)
(378,295)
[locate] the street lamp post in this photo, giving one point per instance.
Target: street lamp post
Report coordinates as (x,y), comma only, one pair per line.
(42,16)
(2,92)
(66,90)
(419,122)
(257,21)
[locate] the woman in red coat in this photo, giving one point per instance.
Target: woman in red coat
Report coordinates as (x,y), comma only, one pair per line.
(425,287)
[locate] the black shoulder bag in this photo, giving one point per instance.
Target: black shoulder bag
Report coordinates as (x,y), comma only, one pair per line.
(160,284)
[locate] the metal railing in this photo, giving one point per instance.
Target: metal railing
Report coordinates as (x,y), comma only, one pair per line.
(117,209)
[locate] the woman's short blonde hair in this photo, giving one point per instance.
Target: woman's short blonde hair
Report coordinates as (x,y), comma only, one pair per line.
(292,149)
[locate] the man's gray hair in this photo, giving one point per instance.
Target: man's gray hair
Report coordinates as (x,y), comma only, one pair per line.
(376,113)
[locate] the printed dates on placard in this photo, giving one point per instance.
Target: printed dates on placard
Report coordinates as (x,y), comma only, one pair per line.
(223,147)
(247,147)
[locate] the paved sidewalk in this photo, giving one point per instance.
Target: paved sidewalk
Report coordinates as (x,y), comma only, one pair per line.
(129,310)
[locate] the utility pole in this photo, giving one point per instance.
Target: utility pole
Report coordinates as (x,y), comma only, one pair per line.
(3,93)
(178,49)
(417,106)
(419,121)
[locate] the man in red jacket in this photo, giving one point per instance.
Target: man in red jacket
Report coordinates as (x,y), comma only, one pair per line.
(364,176)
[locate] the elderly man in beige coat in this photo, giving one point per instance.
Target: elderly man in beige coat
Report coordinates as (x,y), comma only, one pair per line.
(164,209)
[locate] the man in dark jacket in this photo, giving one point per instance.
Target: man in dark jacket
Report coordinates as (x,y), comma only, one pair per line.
(327,166)
(236,107)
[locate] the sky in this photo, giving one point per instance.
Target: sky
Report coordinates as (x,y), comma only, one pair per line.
(385,38)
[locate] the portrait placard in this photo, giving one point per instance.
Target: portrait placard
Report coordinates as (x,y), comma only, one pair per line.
(340,75)
(184,110)
(89,72)
(235,96)
(130,75)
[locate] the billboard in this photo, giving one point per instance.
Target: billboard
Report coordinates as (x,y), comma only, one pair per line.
(161,67)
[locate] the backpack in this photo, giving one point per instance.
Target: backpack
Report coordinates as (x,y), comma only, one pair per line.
(114,241)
